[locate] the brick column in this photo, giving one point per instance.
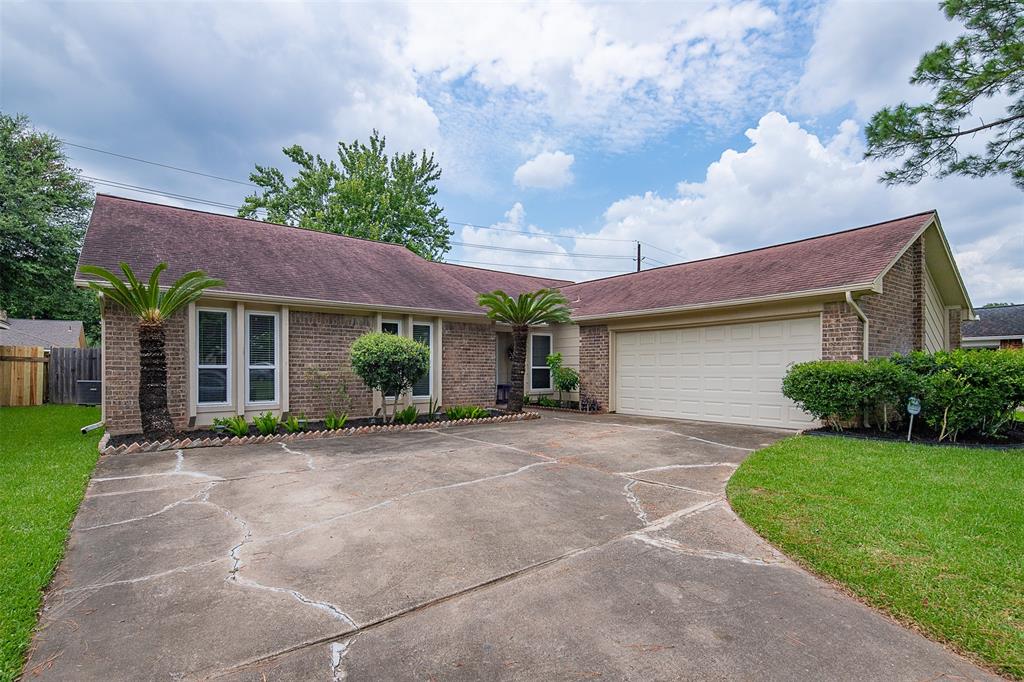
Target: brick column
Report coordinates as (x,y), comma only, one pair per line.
(594,364)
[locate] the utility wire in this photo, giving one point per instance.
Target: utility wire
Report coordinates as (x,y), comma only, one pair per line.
(161,165)
(653,260)
(161,193)
(249,184)
(553,253)
(532,267)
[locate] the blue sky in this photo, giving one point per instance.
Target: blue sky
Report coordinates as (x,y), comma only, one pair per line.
(702,128)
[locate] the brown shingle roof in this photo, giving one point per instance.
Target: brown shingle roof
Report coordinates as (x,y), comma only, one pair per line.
(481,280)
(835,260)
(1006,320)
(254,257)
(45,333)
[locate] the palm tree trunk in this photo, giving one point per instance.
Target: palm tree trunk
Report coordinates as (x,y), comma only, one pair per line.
(156,420)
(515,393)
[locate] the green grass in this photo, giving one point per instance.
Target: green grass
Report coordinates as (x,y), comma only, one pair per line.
(45,464)
(932,535)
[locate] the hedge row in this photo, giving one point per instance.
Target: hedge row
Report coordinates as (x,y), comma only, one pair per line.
(962,392)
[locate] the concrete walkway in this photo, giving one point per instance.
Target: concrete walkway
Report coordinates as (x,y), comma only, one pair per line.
(566,548)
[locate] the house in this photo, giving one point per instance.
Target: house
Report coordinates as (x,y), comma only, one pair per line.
(46,333)
(708,339)
(996,327)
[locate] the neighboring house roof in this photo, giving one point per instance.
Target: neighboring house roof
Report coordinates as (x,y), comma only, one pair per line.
(45,333)
(849,259)
(262,259)
(1003,322)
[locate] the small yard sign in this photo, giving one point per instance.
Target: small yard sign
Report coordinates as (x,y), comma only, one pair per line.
(913,408)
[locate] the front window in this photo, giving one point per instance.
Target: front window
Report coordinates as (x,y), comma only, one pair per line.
(261,357)
(214,344)
(421,334)
(391,327)
(540,373)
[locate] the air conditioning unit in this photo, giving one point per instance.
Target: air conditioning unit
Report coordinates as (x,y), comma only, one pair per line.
(89,392)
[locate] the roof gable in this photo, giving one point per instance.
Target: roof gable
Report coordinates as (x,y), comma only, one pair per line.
(848,259)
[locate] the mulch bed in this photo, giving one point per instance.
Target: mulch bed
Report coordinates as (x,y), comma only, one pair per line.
(1011,440)
(125,444)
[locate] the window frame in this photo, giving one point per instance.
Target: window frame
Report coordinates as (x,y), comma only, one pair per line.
(430,370)
(228,356)
(398,323)
(249,314)
(551,349)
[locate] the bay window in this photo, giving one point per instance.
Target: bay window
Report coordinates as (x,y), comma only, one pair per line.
(261,357)
(214,355)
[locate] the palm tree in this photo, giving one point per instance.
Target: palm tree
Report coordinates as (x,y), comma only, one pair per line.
(153,307)
(545,306)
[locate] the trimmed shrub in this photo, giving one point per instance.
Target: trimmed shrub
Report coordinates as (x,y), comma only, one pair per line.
(830,390)
(962,392)
(390,364)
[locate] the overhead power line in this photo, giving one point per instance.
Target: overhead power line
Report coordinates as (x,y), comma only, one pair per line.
(161,165)
(553,253)
(244,183)
(532,267)
(161,193)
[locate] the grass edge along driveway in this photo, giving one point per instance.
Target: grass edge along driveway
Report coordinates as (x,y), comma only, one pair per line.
(934,536)
(45,464)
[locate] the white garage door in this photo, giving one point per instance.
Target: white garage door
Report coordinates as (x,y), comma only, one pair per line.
(728,373)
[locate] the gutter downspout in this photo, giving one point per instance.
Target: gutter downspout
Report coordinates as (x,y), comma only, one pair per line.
(863,319)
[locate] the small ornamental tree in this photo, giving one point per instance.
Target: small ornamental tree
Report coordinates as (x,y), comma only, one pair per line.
(564,379)
(390,364)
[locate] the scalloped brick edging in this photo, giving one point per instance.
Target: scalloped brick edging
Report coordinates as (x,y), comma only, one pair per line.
(185,443)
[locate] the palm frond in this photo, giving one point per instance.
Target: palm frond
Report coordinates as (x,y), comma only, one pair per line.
(545,306)
(146,300)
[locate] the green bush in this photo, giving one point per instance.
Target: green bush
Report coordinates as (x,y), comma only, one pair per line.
(236,426)
(266,423)
(830,390)
(334,421)
(407,415)
(456,412)
(962,392)
(294,423)
(547,401)
(564,379)
(390,364)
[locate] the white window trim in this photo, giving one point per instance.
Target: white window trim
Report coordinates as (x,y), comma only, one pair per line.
(228,357)
(430,371)
(551,349)
(384,322)
(277,357)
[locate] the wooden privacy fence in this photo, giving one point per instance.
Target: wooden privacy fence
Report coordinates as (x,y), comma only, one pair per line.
(67,367)
(29,375)
(22,375)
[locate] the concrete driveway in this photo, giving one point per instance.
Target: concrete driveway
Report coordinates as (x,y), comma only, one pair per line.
(566,548)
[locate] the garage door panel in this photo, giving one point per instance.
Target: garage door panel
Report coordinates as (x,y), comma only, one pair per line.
(718,373)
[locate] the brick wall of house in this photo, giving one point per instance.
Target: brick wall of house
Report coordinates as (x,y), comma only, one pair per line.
(594,363)
(322,341)
(1007,344)
(841,334)
(121,375)
(468,363)
(954,328)
(897,314)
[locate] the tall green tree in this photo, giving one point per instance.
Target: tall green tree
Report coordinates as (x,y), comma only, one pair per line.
(152,307)
(985,62)
(366,193)
(44,210)
(545,306)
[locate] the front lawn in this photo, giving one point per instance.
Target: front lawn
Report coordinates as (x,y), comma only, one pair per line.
(932,535)
(45,464)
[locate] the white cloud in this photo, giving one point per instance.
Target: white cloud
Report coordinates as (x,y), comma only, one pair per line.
(547,170)
(864,54)
(789,184)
